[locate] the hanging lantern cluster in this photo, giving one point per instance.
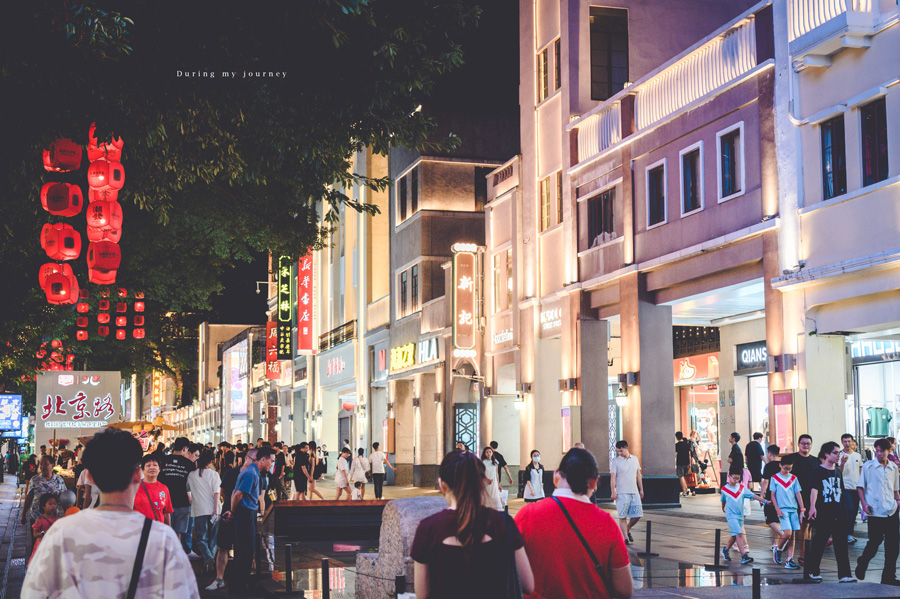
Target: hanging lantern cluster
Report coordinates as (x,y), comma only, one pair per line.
(105,176)
(54,356)
(111,314)
(60,241)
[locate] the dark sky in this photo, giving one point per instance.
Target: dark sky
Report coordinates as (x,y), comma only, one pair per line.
(240,303)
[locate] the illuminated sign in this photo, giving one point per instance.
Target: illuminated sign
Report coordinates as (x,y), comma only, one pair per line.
(702,367)
(751,355)
(273,365)
(157,389)
(236,371)
(464,313)
(283,312)
(503,336)
(428,350)
(334,366)
(862,352)
(305,305)
(403,356)
(92,402)
(10,412)
(551,319)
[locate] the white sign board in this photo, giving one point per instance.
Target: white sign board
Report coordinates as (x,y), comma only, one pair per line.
(75,404)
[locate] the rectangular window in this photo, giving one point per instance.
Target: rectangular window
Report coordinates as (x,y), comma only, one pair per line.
(498,282)
(609,52)
(834,158)
(401,199)
(656,195)
(543,82)
(731,163)
(403,295)
(415,288)
(559,197)
(545,204)
(414,191)
(557,72)
(509,278)
(874,142)
(691,180)
(600,218)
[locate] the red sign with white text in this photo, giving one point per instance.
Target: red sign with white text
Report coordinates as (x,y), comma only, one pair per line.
(305,305)
(273,365)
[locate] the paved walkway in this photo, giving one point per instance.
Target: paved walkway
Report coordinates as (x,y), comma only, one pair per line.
(13,539)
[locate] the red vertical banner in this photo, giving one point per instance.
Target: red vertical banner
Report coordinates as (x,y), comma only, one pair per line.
(273,366)
(305,305)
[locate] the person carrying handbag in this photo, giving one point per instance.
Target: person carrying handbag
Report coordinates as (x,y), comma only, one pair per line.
(575,548)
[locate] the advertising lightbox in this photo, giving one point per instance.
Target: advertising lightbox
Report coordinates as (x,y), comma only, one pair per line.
(75,404)
(10,412)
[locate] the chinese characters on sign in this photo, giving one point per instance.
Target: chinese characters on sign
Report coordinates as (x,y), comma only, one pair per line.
(80,402)
(273,365)
(305,305)
(464,315)
(283,281)
(157,389)
(335,366)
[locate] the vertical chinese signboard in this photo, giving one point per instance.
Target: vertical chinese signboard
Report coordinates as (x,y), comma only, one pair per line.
(283,309)
(305,305)
(464,301)
(75,404)
(273,365)
(157,389)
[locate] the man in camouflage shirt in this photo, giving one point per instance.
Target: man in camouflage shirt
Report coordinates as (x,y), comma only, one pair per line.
(92,553)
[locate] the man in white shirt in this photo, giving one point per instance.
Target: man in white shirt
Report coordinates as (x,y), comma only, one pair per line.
(627,489)
(93,553)
(879,492)
(850,464)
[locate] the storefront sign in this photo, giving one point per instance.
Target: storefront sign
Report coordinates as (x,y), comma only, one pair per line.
(236,370)
(338,365)
(380,362)
(10,412)
(300,373)
(704,367)
(157,391)
(551,319)
(77,409)
(283,311)
(863,352)
(305,305)
(751,356)
(273,366)
(403,356)
(428,351)
(503,336)
(784,420)
(271,421)
(334,366)
(464,315)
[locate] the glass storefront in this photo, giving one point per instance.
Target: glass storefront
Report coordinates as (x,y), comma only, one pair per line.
(759,407)
(697,386)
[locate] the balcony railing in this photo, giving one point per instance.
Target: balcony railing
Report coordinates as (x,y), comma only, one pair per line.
(806,15)
(335,337)
(599,131)
(378,313)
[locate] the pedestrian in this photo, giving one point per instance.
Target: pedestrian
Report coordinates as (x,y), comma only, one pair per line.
(173,473)
(827,513)
(379,460)
(358,471)
(48,505)
(627,488)
(534,478)
(13,462)
(47,482)
(772,467)
(30,466)
(302,471)
(244,512)
(879,492)
(755,457)
(735,456)
(804,468)
(153,498)
(203,485)
(323,457)
(357,491)
(460,446)
(65,459)
(892,456)
(491,485)
(91,553)
(317,469)
(87,495)
(342,475)
(682,461)
(787,502)
(277,477)
(259,443)
(575,548)
(850,465)
(733,495)
(501,462)
(225,532)
(455,550)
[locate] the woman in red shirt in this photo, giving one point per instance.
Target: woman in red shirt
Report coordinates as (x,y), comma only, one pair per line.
(151,490)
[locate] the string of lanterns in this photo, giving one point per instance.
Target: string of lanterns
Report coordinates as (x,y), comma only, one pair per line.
(59,240)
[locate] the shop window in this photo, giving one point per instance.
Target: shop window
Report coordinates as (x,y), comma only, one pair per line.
(692,179)
(543,81)
(609,52)
(731,162)
(656,194)
(834,158)
(600,218)
(874,142)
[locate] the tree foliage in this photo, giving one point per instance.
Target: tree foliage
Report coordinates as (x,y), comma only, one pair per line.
(217,168)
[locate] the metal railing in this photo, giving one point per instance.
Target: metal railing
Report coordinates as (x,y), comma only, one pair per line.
(806,15)
(599,131)
(336,336)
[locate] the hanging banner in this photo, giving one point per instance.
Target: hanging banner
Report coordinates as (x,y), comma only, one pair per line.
(283,308)
(305,305)
(273,365)
(464,299)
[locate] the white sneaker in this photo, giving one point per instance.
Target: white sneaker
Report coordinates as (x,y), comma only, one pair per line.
(217,584)
(848,579)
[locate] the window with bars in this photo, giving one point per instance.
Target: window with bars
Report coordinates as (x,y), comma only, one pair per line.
(874,142)
(559,197)
(414,191)
(834,158)
(401,199)
(600,218)
(543,82)
(414,276)
(404,305)
(545,204)
(656,195)
(609,51)
(557,58)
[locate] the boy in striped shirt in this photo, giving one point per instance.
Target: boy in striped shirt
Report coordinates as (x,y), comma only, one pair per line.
(733,496)
(788,503)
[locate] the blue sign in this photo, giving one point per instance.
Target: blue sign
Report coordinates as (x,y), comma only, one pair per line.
(10,412)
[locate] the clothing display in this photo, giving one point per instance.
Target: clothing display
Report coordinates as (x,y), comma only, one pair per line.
(878,424)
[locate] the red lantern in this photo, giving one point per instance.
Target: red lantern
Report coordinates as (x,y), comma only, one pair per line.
(61,289)
(348,405)
(70,358)
(122,292)
(82,321)
(63,156)
(60,241)
(103,318)
(121,321)
(52,268)
(138,321)
(111,150)
(61,199)
(138,333)
(81,335)
(55,367)
(138,306)
(103,195)
(103,331)
(101,277)
(106,174)
(104,215)
(56,356)
(138,295)
(121,307)
(104,305)
(84,293)
(56,344)
(82,307)
(121,333)
(95,234)
(40,354)
(104,256)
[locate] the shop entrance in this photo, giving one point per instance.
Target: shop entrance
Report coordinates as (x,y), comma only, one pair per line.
(759,407)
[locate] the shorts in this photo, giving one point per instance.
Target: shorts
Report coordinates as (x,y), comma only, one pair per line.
(735,526)
(790,520)
(180,518)
(771,514)
(301,483)
(755,475)
(629,505)
(225,536)
(681,471)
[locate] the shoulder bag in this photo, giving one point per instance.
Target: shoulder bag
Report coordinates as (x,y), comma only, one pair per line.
(150,499)
(597,566)
(139,558)
(513,586)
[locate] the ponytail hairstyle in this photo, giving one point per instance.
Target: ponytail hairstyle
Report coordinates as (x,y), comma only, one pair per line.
(463,473)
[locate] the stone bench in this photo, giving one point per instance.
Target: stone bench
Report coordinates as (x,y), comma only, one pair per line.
(375,572)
